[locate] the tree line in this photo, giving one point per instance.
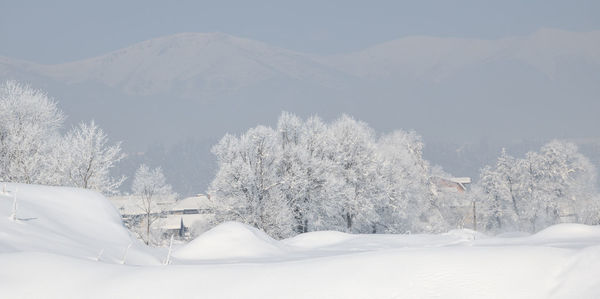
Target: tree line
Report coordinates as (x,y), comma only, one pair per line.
(554,185)
(308,175)
(33,150)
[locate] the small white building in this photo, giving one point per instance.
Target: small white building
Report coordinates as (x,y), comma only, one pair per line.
(458,184)
(181,224)
(174,217)
(194,211)
(131,205)
(199,204)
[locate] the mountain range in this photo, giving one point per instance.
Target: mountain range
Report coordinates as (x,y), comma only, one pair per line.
(198,86)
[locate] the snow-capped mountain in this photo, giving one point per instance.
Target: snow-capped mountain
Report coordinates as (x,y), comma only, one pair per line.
(549,51)
(193,64)
(401,83)
(189,63)
(202,85)
(419,57)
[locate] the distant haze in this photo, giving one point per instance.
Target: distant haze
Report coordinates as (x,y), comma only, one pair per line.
(469,79)
(206,84)
(60,31)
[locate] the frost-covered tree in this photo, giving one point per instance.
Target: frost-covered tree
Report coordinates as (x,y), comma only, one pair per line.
(541,189)
(33,151)
(308,175)
(561,183)
(499,202)
(244,187)
(352,149)
(29,123)
(410,202)
(150,188)
(316,198)
(589,213)
(84,159)
(290,168)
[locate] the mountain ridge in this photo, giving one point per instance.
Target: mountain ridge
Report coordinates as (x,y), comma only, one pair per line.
(199,86)
(223,62)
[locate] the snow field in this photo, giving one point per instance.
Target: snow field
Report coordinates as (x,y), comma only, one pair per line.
(51,253)
(66,221)
(230,240)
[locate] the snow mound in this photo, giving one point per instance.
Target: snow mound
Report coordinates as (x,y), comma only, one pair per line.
(318,239)
(465,234)
(230,240)
(516,234)
(568,231)
(66,221)
(45,254)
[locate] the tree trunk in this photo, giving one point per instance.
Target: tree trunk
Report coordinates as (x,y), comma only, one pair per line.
(349,222)
(474,217)
(147,228)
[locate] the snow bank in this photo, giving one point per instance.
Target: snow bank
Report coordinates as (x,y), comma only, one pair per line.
(342,242)
(66,221)
(565,235)
(50,252)
(569,231)
(416,272)
(318,239)
(512,235)
(466,234)
(230,240)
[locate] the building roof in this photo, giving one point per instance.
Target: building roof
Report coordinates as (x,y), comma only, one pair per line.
(130,205)
(460,180)
(198,202)
(452,184)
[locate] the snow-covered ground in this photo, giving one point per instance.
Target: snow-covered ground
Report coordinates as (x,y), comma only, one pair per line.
(69,243)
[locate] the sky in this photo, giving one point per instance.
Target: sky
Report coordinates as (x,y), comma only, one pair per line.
(65,30)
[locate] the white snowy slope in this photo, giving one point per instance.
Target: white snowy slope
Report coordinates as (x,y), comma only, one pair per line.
(65,221)
(193,64)
(230,240)
(435,59)
(199,62)
(236,261)
(190,83)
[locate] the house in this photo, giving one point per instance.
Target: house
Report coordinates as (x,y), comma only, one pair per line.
(173,217)
(199,204)
(194,211)
(131,208)
(182,224)
(458,207)
(458,184)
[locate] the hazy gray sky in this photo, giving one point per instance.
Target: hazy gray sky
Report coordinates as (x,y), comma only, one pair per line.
(65,30)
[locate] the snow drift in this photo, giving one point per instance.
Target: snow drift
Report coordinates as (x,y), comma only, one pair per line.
(230,240)
(66,221)
(50,252)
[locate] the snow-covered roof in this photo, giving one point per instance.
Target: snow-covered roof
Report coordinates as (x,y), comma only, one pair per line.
(461,180)
(198,202)
(451,184)
(131,204)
